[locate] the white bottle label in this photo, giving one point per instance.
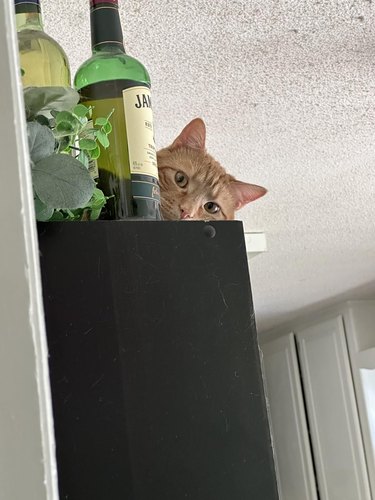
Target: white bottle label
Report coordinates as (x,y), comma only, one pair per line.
(93,164)
(140,131)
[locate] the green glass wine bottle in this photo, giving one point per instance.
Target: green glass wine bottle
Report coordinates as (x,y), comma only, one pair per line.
(43,62)
(112,80)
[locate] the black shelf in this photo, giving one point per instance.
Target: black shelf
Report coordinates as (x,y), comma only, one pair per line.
(154,362)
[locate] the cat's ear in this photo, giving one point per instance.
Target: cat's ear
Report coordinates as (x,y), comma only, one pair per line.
(192,136)
(244,193)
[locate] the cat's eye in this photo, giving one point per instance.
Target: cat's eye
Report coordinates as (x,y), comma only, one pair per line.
(181,179)
(211,207)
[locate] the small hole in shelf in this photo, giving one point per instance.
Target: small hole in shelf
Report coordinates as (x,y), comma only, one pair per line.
(209,231)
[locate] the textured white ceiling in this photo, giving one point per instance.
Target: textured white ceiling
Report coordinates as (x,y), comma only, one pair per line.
(287,90)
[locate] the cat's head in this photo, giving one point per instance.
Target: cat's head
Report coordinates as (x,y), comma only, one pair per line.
(193,185)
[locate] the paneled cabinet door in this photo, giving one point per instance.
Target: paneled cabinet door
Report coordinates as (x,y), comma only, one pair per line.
(332,412)
(295,472)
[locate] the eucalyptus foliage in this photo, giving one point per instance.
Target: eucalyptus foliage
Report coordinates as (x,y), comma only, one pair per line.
(63,140)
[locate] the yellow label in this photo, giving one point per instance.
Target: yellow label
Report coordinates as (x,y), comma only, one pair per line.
(140,131)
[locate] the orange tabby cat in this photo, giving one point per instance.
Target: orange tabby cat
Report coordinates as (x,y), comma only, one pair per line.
(193,185)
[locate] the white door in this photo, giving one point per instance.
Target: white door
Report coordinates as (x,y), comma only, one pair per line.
(294,467)
(332,412)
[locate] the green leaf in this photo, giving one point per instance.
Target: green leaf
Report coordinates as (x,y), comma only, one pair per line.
(81,110)
(102,138)
(88,144)
(64,128)
(42,100)
(96,203)
(42,120)
(98,199)
(61,181)
(41,141)
(57,216)
(42,211)
(64,143)
(65,116)
(107,128)
(95,153)
(101,121)
(95,213)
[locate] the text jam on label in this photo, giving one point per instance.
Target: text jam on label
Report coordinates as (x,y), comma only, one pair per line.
(143,101)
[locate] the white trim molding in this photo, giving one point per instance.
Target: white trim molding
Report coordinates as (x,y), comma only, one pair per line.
(255,243)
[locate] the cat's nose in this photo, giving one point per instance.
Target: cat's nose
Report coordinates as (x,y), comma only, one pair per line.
(184,214)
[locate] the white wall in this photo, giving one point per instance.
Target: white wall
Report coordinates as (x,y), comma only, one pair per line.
(27,462)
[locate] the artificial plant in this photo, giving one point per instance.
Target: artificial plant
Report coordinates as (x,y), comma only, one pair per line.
(63,143)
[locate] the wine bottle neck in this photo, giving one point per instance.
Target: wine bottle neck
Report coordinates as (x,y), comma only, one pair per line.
(106,32)
(28,15)
(29,21)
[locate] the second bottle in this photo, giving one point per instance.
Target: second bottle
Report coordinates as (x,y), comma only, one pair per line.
(112,80)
